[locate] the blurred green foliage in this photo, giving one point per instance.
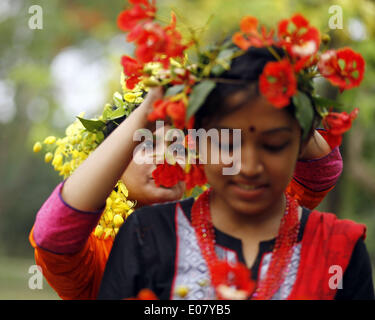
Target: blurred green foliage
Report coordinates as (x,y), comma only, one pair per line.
(35,110)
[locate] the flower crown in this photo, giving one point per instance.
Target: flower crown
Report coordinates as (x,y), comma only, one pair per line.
(288,79)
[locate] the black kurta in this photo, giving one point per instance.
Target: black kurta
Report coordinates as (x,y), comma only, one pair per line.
(147,254)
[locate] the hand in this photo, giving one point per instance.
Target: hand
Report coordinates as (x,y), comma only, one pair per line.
(315,148)
(154,94)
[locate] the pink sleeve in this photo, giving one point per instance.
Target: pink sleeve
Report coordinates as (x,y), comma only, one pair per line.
(319,174)
(60,228)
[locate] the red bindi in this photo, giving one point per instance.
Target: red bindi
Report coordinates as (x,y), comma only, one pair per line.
(252,129)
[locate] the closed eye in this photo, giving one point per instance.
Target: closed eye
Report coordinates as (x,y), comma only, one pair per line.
(275,148)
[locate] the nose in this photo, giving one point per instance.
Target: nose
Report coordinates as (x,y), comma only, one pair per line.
(251,164)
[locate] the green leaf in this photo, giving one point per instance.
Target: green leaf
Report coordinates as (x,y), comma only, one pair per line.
(325,102)
(117,99)
(227,54)
(99,137)
(92,125)
(198,96)
(223,61)
(217,70)
(117,113)
(107,111)
(304,112)
(174,90)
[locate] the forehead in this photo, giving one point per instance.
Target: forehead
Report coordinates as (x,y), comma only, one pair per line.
(258,115)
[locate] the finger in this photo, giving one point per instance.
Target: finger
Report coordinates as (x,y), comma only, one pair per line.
(154,94)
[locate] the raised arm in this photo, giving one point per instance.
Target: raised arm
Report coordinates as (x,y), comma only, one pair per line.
(71,257)
(89,186)
(316,173)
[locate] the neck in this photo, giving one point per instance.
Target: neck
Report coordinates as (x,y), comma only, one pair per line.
(262,225)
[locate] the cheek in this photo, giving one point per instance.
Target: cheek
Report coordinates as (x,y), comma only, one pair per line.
(214,174)
(280,168)
(136,177)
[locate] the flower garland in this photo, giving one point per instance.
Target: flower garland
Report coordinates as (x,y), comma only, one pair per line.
(232,281)
(287,80)
(117,209)
(81,138)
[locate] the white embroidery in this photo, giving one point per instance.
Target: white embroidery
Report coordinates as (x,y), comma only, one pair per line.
(286,287)
(192,271)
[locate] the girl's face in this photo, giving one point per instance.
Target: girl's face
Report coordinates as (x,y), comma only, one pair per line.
(141,185)
(270,143)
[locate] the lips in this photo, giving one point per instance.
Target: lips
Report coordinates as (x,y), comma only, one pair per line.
(247,186)
(247,190)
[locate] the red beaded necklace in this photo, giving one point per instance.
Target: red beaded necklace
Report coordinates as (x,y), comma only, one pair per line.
(235,278)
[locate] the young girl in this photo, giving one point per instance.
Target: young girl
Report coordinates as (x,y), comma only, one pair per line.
(71,254)
(73,258)
(245,237)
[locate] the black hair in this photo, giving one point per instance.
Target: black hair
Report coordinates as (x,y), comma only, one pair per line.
(242,77)
(111,125)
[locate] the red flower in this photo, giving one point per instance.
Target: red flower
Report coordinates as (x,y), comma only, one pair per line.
(343,68)
(337,124)
(176,110)
(249,35)
(278,83)
(190,123)
(142,10)
(155,43)
(195,177)
(227,275)
(190,142)
(150,39)
(174,47)
(332,140)
(145,294)
(168,175)
(301,40)
(160,110)
(133,70)
(328,63)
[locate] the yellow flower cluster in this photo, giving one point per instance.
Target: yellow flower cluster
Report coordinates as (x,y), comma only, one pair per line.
(117,209)
(67,153)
